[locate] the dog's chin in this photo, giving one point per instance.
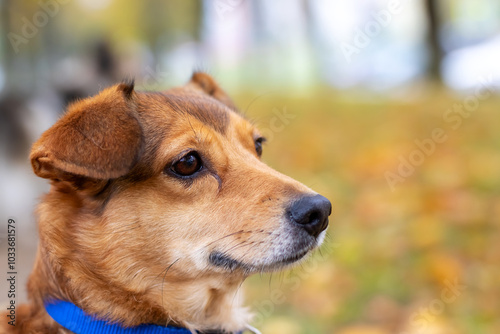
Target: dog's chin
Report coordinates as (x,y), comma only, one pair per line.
(284,261)
(274,262)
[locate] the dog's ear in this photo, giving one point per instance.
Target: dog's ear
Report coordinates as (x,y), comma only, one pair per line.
(205,83)
(99,137)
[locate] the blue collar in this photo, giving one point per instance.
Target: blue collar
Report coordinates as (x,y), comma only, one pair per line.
(76,320)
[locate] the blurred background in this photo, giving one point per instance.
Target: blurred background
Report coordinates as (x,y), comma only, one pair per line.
(387,107)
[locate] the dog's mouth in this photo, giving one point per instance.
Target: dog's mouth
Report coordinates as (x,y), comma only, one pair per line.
(292,245)
(228,263)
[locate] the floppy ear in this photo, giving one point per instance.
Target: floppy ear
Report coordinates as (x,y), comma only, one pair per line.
(205,83)
(99,137)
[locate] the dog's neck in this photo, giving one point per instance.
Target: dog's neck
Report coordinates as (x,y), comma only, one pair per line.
(75,319)
(202,303)
(205,305)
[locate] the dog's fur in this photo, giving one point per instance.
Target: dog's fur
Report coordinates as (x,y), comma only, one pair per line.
(126,239)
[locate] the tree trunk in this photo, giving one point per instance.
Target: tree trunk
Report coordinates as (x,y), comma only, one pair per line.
(436,52)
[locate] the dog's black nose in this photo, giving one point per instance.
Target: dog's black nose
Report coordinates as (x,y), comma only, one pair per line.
(311,212)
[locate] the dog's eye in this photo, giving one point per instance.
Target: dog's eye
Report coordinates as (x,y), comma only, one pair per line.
(258,145)
(187,165)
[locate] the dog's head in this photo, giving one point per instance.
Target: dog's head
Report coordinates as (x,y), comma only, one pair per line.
(164,196)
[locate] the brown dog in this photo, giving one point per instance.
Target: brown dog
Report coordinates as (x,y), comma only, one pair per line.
(159,208)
